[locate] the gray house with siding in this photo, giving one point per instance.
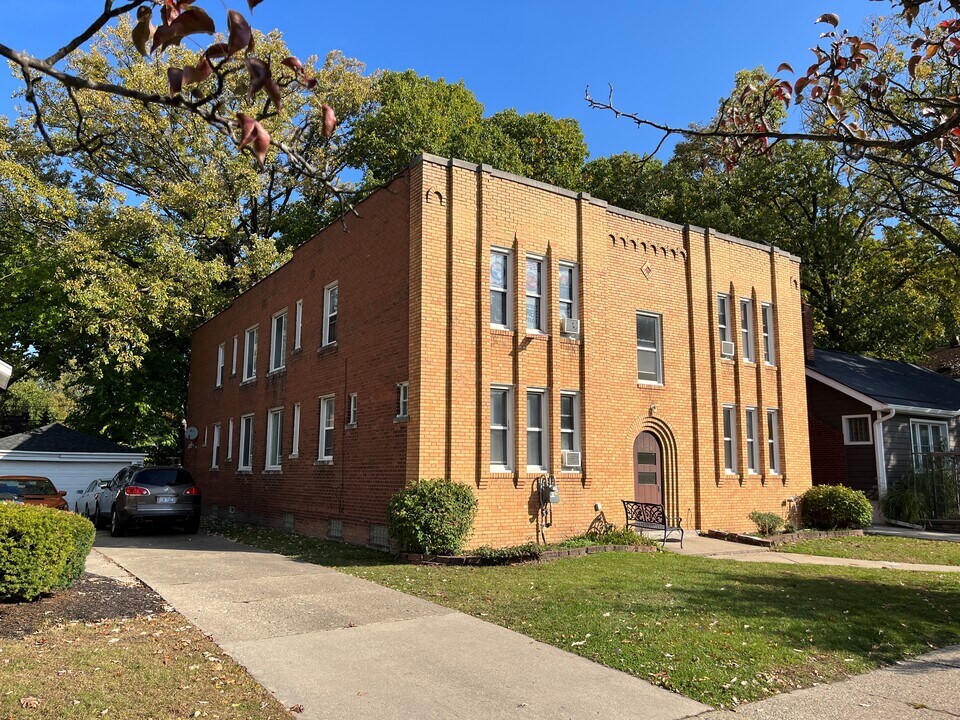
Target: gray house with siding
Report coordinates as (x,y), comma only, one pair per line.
(871,419)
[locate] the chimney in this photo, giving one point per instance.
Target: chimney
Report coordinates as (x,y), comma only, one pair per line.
(806,313)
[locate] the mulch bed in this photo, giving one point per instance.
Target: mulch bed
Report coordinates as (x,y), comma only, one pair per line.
(545,556)
(91,599)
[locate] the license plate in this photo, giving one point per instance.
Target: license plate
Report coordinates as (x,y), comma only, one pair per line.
(166,498)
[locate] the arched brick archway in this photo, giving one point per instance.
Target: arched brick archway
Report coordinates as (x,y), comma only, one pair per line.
(668,456)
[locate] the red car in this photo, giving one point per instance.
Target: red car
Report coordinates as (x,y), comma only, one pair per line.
(31,490)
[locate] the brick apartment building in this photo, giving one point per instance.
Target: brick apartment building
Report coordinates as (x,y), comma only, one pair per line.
(491,329)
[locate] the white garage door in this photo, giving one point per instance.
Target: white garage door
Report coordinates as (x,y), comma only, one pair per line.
(71,476)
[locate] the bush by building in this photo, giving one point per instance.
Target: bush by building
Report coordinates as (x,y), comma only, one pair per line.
(432,516)
(835,507)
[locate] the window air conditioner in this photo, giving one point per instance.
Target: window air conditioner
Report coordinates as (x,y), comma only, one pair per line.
(726,348)
(570,326)
(571,459)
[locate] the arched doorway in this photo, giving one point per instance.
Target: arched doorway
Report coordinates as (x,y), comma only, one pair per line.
(647,469)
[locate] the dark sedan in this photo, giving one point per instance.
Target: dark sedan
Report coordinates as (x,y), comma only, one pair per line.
(153,495)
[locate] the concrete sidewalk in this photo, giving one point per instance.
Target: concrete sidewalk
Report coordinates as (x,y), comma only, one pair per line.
(345,647)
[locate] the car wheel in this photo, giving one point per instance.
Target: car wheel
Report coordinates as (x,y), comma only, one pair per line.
(97,518)
(76,508)
(192,526)
(117,525)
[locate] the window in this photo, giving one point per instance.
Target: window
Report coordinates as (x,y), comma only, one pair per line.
(753,452)
(723,321)
(568,291)
(205,435)
(298,325)
(352,411)
(220,360)
(230,439)
(501,424)
(928,437)
(534,290)
(215,454)
(274,439)
(746,328)
(295,450)
(500,309)
(769,352)
(570,422)
(246,443)
(326,428)
(856,430)
(331,303)
(403,400)
(250,354)
(233,363)
(537,451)
(649,362)
(773,441)
(730,438)
(278,342)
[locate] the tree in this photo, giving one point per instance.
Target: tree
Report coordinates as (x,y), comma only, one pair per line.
(549,149)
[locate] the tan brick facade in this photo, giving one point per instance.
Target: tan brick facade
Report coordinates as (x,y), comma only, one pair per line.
(436,224)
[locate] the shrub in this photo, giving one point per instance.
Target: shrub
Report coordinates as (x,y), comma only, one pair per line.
(835,507)
(611,536)
(432,516)
(514,553)
(767,523)
(921,495)
(41,549)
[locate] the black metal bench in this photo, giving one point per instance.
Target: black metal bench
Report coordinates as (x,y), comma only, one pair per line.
(651,516)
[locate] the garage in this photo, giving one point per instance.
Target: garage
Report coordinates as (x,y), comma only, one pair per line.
(69,458)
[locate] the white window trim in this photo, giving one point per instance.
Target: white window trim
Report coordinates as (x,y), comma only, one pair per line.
(352,410)
(326,312)
(403,400)
(255,329)
(544,429)
(205,434)
(769,335)
(659,350)
(752,443)
(233,362)
(271,419)
(215,453)
(574,288)
(295,447)
(322,455)
(576,429)
(734,449)
(508,466)
(541,327)
(509,275)
(914,422)
(245,437)
(773,441)
(274,339)
(845,421)
(748,351)
(725,331)
(298,328)
(221,363)
(229,440)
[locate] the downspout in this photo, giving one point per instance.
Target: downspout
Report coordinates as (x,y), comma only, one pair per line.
(879,450)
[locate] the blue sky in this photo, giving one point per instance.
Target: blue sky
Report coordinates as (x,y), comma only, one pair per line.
(669,60)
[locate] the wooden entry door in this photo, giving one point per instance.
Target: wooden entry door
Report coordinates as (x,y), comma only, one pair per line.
(647,469)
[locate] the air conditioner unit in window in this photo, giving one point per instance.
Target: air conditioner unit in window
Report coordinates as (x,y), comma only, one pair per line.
(571,459)
(726,348)
(570,326)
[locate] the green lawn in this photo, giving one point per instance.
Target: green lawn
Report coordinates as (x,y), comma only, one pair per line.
(876,547)
(718,631)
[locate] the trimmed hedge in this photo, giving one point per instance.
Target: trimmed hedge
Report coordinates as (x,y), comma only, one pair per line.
(41,550)
(835,507)
(432,516)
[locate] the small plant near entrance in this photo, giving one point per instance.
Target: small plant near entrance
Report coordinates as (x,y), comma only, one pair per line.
(767,523)
(835,507)
(432,516)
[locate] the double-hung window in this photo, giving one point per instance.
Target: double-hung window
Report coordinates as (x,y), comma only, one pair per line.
(278,341)
(403,400)
(250,353)
(500,306)
(723,325)
(928,437)
(730,438)
(753,450)
(746,328)
(568,292)
(295,449)
(569,425)
(773,440)
(233,362)
(221,350)
(769,349)
(536,430)
(352,410)
(534,290)
(230,439)
(326,428)
(246,443)
(215,454)
(298,325)
(274,439)
(649,355)
(331,305)
(501,428)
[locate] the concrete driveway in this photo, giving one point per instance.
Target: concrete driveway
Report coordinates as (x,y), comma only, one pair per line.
(345,647)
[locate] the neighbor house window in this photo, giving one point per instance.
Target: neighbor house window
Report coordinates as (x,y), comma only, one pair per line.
(274,439)
(250,353)
(298,325)
(928,437)
(246,443)
(221,350)
(233,362)
(649,360)
(730,438)
(536,430)
(230,439)
(569,424)
(403,400)
(500,306)
(723,323)
(326,427)
(215,454)
(856,430)
(331,303)
(773,441)
(278,341)
(295,450)
(534,291)
(746,328)
(769,351)
(753,450)
(352,410)
(501,428)
(568,292)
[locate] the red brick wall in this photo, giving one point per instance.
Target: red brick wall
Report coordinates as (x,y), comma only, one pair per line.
(834,462)
(827,458)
